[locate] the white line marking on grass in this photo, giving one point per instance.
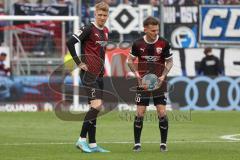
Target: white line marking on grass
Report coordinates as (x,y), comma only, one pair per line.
(154,142)
(34,143)
(231,137)
(127,142)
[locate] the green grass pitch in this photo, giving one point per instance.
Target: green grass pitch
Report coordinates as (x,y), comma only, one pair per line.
(192,136)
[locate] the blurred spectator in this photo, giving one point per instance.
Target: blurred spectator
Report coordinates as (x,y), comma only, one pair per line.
(143,1)
(210,64)
(212,1)
(23,1)
(127,2)
(196,2)
(220,1)
(61,2)
(174,2)
(112,2)
(228,1)
(154,3)
(85,11)
(2,24)
(186,2)
(109,2)
(3,70)
(131,2)
(39,2)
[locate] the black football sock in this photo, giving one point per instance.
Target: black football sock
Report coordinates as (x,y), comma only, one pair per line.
(92,127)
(84,130)
(138,125)
(90,116)
(163,126)
(92,131)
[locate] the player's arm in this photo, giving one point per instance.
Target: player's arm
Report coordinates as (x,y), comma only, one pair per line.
(133,55)
(168,66)
(75,38)
(168,62)
(130,62)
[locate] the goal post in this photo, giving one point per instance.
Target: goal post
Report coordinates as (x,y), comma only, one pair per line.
(76,23)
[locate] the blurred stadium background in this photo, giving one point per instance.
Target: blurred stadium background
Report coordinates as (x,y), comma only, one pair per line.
(36,50)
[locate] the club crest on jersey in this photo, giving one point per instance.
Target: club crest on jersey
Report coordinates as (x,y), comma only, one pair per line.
(159,50)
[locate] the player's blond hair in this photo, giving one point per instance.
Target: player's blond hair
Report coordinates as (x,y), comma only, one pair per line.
(102,6)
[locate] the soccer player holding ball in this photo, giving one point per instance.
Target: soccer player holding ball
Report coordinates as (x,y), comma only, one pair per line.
(93,38)
(154,58)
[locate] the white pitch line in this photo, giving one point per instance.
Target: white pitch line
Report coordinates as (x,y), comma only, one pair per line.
(231,137)
(127,142)
(34,143)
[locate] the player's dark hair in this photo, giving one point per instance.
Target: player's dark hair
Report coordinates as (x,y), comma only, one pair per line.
(150,21)
(207,50)
(3,54)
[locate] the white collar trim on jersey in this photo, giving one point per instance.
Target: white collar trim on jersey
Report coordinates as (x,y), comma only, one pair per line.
(145,39)
(97,26)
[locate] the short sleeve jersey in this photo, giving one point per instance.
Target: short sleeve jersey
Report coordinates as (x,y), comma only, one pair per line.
(151,56)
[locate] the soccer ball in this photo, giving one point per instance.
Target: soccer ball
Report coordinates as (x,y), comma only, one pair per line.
(150,82)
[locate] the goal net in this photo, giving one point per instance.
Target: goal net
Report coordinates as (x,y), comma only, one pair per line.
(37,44)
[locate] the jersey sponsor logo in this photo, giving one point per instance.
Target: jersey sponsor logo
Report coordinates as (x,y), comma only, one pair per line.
(220,23)
(151,58)
(102,43)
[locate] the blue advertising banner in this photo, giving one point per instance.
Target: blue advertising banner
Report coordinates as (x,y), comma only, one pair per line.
(29,93)
(219,24)
(27,89)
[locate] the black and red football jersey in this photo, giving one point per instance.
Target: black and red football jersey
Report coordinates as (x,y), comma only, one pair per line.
(93,46)
(151,56)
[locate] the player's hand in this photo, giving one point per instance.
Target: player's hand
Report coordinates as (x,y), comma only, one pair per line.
(160,80)
(138,78)
(83,66)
